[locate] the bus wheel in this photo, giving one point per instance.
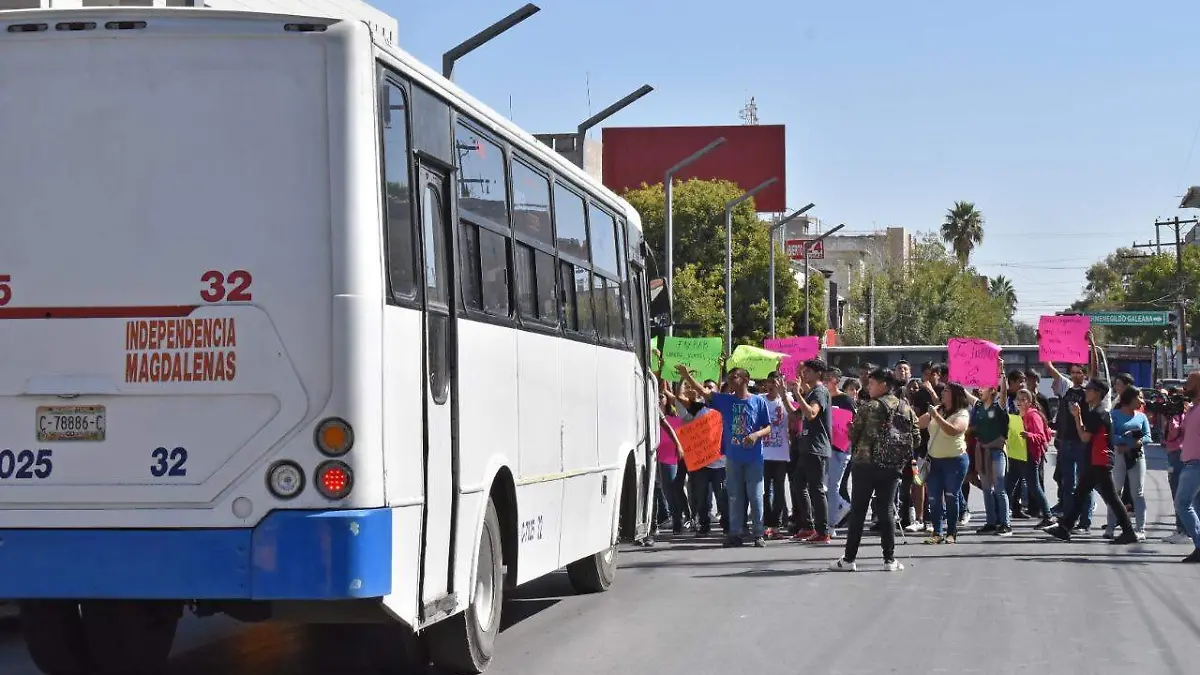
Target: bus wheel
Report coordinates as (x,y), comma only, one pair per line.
(54,636)
(463,644)
(595,573)
(129,637)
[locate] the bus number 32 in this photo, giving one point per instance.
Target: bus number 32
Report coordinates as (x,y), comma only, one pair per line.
(168,463)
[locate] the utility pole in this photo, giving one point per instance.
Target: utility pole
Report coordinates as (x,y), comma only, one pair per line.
(1180,299)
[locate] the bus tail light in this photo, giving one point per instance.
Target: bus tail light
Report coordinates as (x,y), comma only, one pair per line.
(334,480)
(334,437)
(285,479)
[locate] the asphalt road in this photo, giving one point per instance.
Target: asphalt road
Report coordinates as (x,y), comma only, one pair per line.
(986,605)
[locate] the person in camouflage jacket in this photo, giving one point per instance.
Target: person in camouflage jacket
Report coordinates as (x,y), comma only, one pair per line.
(870,479)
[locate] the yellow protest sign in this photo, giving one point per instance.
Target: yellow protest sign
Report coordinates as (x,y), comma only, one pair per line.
(1018,448)
(759,362)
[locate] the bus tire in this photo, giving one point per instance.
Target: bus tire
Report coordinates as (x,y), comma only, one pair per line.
(129,637)
(54,636)
(464,643)
(595,573)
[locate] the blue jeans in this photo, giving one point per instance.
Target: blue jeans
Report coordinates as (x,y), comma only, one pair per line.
(667,496)
(995,497)
(1174,468)
(943,490)
(1187,498)
(744,479)
(1072,457)
(1031,471)
(833,480)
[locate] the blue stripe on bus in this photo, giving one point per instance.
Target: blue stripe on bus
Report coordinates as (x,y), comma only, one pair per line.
(290,555)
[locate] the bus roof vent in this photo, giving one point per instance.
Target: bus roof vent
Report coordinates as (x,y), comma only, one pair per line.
(28,27)
(305,27)
(75,25)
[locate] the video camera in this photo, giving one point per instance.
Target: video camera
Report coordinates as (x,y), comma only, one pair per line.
(1165,404)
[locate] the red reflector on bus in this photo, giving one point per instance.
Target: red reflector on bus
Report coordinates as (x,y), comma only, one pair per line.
(334,480)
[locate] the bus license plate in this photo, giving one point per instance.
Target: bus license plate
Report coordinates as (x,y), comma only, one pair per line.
(70,423)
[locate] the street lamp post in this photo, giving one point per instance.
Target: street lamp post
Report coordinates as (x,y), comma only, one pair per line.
(581,131)
(483,37)
(669,225)
(776,228)
(729,207)
(808,244)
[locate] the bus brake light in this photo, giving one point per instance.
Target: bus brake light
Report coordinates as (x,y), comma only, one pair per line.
(334,480)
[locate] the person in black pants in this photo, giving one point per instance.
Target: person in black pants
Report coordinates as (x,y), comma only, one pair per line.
(810,453)
(878,460)
(1095,430)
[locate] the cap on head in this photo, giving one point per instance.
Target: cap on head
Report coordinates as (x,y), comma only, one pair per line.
(1099,386)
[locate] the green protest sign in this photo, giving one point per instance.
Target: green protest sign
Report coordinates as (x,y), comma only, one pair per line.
(759,362)
(702,356)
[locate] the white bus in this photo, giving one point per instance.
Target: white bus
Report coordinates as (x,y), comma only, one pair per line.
(293,328)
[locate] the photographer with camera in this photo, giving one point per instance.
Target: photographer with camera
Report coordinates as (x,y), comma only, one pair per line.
(1170,407)
(1189,478)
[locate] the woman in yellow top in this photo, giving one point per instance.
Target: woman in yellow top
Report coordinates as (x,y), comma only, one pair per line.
(947,424)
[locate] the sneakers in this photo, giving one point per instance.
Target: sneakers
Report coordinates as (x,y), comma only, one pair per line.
(965,518)
(732,542)
(892,566)
(759,542)
(934,540)
(803,535)
(1108,534)
(1021,515)
(915,527)
(1178,538)
(950,539)
(840,565)
(987,529)
(818,539)
(1046,522)
(1080,529)
(1004,531)
(1058,532)
(1193,558)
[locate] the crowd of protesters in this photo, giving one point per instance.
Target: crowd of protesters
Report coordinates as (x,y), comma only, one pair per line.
(914,449)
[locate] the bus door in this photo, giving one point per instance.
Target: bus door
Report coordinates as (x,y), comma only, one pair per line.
(647,403)
(438,333)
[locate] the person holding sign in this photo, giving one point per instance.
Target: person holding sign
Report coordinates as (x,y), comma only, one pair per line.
(989,425)
(945,424)
(746,423)
(1072,451)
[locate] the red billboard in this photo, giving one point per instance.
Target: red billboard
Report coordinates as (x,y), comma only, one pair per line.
(749,156)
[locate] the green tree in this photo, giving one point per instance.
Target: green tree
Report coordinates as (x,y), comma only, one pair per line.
(1127,280)
(699,212)
(962,230)
(1002,289)
(927,299)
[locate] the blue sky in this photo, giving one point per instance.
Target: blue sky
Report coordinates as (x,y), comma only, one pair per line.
(1071,125)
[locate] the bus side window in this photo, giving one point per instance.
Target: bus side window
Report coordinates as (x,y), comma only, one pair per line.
(397,189)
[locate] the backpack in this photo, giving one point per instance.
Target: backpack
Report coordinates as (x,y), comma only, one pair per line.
(894,449)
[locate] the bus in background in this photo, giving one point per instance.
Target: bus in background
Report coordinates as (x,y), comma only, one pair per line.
(304,332)
(1133,359)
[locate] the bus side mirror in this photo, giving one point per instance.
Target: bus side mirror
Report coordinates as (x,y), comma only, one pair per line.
(660,305)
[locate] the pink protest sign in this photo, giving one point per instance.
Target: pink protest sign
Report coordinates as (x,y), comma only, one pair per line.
(974,363)
(840,434)
(1064,338)
(797,350)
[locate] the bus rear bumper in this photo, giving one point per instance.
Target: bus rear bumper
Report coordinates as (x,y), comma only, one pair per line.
(289,555)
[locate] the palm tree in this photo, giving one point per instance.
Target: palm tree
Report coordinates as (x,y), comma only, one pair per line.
(962,229)
(1002,289)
